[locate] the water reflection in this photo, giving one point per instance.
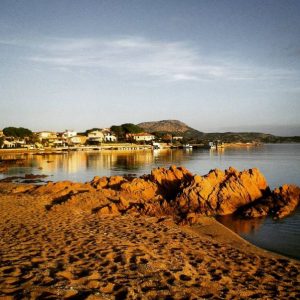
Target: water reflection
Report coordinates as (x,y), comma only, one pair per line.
(241,226)
(119,161)
(84,165)
(279,163)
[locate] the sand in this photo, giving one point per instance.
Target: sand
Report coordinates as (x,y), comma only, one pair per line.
(72,254)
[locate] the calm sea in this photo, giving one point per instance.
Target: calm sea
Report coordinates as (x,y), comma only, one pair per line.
(280,163)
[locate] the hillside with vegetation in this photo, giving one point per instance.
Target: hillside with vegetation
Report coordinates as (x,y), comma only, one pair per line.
(165,126)
(121,130)
(173,127)
(192,135)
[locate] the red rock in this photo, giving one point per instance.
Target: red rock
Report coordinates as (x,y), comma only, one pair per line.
(99,182)
(174,191)
(170,181)
(110,209)
(116,181)
(54,187)
(221,192)
(140,189)
(113,182)
(282,202)
(287,198)
(23,188)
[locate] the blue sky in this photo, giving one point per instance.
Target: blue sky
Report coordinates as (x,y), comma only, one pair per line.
(215,65)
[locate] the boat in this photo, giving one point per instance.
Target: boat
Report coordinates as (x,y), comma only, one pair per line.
(156,146)
(187,146)
(216,145)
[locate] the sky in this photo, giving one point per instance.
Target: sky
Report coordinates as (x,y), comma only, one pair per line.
(215,65)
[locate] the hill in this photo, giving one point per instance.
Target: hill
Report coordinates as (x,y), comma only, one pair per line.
(173,127)
(190,134)
(165,126)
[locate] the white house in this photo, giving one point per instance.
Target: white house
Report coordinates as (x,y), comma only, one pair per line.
(68,134)
(8,144)
(108,137)
(47,135)
(140,137)
(177,138)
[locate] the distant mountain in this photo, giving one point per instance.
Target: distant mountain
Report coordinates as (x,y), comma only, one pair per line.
(165,126)
(176,127)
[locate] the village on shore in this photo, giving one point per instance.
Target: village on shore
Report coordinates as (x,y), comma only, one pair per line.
(123,137)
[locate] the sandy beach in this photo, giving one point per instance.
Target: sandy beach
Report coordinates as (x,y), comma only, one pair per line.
(73,254)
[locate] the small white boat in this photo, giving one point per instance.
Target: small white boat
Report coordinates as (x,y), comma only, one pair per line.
(187,146)
(156,146)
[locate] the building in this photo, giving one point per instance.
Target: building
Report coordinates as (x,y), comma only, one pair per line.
(109,137)
(177,138)
(95,137)
(48,138)
(1,133)
(8,144)
(46,135)
(69,134)
(58,143)
(11,142)
(78,140)
(140,137)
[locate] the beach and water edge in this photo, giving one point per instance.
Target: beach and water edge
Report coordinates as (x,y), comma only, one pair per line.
(69,247)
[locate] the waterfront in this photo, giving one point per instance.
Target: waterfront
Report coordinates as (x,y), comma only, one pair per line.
(279,163)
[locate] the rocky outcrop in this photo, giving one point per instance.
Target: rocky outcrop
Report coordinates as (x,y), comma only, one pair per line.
(174,191)
(281,203)
(287,199)
(62,188)
(222,193)
(170,181)
(113,182)
(140,190)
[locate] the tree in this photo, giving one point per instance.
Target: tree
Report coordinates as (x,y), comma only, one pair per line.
(167,138)
(121,130)
(33,139)
(19,132)
(92,129)
(118,131)
(131,128)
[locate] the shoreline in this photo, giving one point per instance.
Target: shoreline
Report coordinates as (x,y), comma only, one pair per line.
(72,249)
(123,148)
(106,147)
(212,227)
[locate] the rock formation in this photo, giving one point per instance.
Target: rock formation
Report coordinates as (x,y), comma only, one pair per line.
(222,193)
(174,191)
(282,202)
(170,182)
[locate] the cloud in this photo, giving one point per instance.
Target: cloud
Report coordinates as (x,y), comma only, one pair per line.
(139,57)
(130,56)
